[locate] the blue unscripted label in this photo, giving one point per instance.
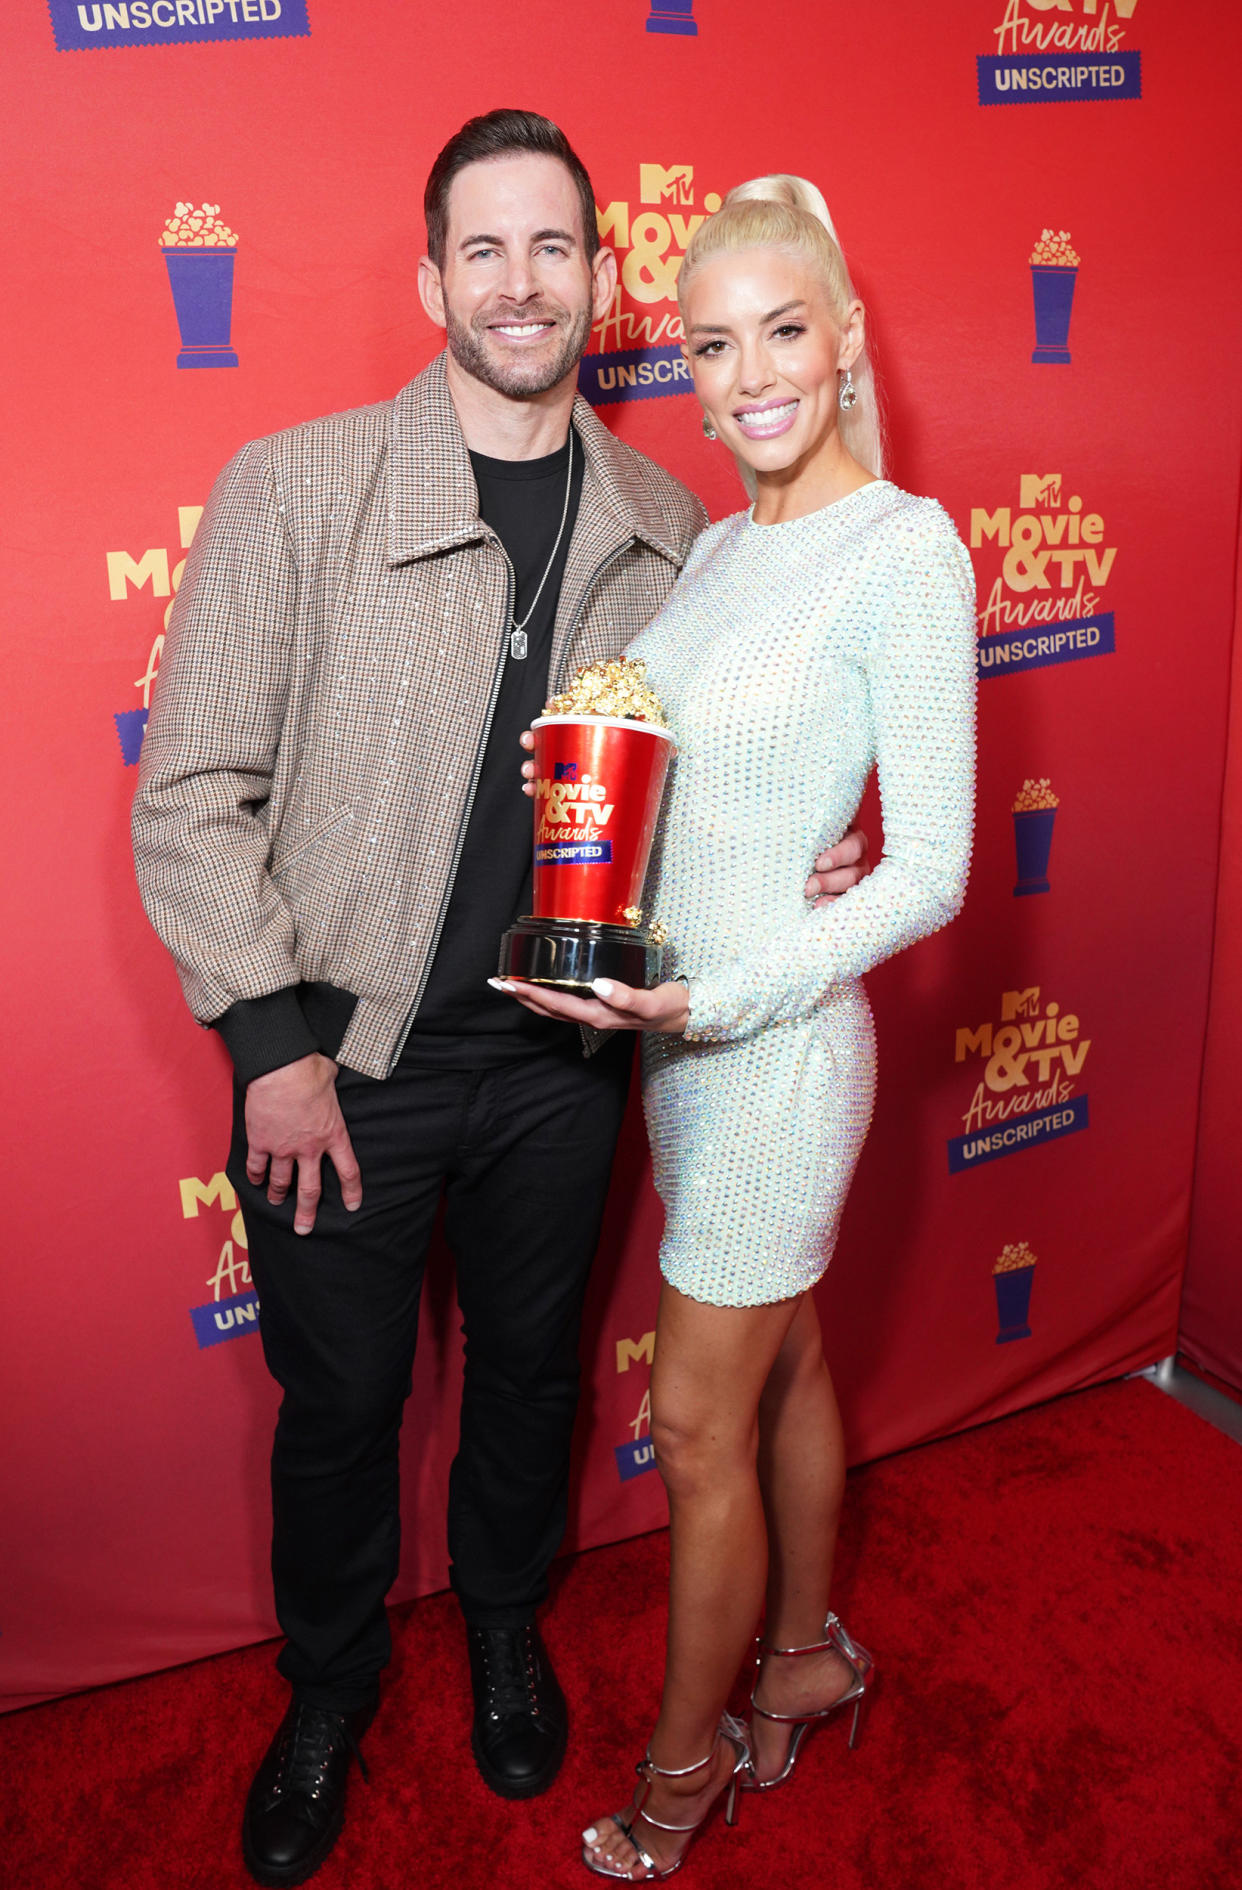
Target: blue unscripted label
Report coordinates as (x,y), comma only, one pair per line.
(633,374)
(222,1319)
(1007,1138)
(633,1459)
(1058,78)
(1051,643)
(575,852)
(131,726)
(103,26)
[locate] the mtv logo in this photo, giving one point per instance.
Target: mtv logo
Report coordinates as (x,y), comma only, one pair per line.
(1040,492)
(1020,1004)
(672,185)
(565,770)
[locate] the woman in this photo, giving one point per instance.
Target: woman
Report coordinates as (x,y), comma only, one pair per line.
(829,628)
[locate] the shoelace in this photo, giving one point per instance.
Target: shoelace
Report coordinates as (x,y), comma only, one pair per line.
(509,1669)
(309,1746)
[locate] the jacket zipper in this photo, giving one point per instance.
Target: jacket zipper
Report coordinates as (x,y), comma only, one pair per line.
(591,582)
(411,1014)
(510,600)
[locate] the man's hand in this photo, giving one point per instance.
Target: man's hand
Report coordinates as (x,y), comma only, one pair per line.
(293,1118)
(615,1006)
(839,868)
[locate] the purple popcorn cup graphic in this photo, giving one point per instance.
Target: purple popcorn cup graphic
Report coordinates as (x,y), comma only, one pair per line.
(672,16)
(1032,834)
(1054,304)
(1012,1277)
(198,252)
(202,289)
(1054,271)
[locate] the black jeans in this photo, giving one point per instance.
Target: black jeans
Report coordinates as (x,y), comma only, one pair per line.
(521,1154)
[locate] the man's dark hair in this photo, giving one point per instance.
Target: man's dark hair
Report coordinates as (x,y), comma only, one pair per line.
(503,134)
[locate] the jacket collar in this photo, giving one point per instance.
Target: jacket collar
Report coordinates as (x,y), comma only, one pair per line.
(433,499)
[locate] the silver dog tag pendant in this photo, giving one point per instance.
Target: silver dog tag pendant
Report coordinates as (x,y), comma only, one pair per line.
(517,646)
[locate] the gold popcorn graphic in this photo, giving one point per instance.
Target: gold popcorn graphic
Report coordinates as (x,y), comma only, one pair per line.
(188,228)
(1012,1274)
(1013,1257)
(1055,251)
(618,689)
(1035,795)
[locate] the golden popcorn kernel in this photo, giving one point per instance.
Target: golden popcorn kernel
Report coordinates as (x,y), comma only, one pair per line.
(616,689)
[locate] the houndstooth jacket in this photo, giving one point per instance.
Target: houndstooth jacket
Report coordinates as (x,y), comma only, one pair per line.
(326,692)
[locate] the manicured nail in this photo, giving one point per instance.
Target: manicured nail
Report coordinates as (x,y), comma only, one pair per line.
(498,984)
(590,1834)
(602,987)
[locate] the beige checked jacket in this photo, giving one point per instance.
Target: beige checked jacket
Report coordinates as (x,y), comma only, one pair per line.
(327,688)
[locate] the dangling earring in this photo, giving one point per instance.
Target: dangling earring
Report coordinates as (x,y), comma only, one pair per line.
(709,431)
(847,393)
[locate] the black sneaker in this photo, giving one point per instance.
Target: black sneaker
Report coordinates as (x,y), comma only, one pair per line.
(296,1806)
(520,1721)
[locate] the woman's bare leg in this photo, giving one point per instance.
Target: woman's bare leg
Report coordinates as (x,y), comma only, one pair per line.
(802,1476)
(711,1365)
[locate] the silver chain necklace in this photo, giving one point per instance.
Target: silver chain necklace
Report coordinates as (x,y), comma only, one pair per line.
(518,643)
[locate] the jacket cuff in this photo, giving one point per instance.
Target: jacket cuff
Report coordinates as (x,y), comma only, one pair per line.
(264,1033)
(709,1020)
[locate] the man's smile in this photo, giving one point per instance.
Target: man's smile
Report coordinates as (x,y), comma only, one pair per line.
(521,331)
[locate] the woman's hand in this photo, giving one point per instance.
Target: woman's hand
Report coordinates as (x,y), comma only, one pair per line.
(615,1006)
(527,739)
(838,868)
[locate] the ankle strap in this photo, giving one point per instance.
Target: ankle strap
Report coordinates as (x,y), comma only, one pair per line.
(838,1641)
(647,1767)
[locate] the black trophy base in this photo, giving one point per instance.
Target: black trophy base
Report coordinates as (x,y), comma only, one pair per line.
(572,953)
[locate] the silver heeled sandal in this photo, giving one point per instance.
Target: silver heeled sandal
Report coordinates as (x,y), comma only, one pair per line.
(648,1771)
(838,1641)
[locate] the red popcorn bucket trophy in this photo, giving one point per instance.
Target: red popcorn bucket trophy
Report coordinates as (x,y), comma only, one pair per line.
(599,780)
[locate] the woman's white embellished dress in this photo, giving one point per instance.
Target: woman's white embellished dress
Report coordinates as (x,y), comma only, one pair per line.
(792,658)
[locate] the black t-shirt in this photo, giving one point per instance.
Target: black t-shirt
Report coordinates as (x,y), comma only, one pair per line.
(460,1021)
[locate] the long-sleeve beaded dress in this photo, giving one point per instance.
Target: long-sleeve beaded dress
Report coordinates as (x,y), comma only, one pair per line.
(791,658)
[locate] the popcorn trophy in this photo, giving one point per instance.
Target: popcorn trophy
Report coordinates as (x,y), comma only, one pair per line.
(1054,271)
(602,751)
(1012,1276)
(199,251)
(1034,812)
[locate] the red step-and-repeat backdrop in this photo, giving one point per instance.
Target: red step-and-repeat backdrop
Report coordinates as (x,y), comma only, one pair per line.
(214,230)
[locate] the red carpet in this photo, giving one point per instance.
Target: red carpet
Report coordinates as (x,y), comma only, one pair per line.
(1054,1604)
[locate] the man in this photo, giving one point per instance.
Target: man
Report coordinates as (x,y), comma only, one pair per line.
(331,837)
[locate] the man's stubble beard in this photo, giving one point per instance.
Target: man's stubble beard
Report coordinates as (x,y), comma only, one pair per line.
(515,379)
